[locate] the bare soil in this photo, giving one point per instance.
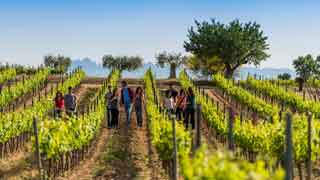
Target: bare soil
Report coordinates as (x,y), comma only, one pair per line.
(128,154)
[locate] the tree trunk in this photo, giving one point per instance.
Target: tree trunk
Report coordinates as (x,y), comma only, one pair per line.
(172,71)
(301,86)
(229,72)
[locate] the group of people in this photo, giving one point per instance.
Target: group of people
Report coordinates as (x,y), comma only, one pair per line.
(181,104)
(67,103)
(127,98)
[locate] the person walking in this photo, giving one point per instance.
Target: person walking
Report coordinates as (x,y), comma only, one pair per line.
(126,100)
(138,102)
(70,101)
(169,103)
(59,105)
(108,97)
(190,109)
(172,91)
(181,104)
(114,109)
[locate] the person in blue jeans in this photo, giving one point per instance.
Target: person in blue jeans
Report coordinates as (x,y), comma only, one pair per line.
(126,100)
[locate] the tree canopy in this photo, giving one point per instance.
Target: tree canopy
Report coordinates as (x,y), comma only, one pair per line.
(284,76)
(59,63)
(174,60)
(232,44)
(305,66)
(204,68)
(128,63)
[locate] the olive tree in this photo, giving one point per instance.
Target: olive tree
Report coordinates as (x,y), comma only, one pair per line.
(233,44)
(128,63)
(305,67)
(174,60)
(59,63)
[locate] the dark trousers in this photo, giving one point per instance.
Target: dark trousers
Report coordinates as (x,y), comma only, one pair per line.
(189,118)
(139,115)
(109,117)
(70,111)
(114,117)
(179,113)
(57,113)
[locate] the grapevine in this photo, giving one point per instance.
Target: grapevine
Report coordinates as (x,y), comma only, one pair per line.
(202,165)
(13,124)
(10,93)
(7,74)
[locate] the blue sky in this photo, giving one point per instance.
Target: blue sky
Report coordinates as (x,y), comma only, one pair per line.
(91,28)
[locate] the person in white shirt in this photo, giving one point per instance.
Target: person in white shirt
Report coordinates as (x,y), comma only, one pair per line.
(169,102)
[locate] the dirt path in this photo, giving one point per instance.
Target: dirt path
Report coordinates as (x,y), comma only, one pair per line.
(127,154)
(21,164)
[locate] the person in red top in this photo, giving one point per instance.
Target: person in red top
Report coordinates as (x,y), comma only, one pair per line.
(181,105)
(59,104)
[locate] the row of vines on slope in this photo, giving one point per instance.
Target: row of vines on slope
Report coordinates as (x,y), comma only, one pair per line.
(15,127)
(314,83)
(202,165)
(246,98)
(7,74)
(63,143)
(10,93)
(263,138)
(285,97)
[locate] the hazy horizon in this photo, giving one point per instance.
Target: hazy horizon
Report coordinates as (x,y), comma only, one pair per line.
(79,29)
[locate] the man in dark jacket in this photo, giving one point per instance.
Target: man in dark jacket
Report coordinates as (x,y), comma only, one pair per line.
(70,102)
(126,100)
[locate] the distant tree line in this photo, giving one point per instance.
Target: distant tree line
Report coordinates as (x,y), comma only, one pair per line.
(20,69)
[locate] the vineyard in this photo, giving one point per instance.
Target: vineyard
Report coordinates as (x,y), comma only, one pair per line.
(256,128)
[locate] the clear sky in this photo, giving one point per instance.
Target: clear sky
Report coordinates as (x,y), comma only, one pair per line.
(91,28)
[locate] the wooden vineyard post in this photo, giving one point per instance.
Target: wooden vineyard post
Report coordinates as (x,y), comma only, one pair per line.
(280,115)
(217,106)
(309,163)
(45,91)
(207,98)
(52,89)
(230,129)
(198,138)
(289,148)
(35,129)
(175,151)
(224,111)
